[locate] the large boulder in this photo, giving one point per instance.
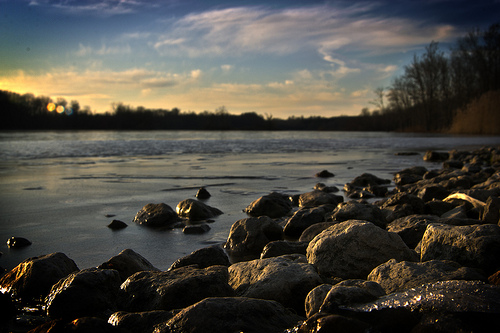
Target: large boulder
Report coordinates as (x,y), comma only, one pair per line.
(351,249)
(92,292)
(205,257)
(398,276)
(317,198)
(34,277)
(128,262)
(156,215)
(353,210)
(472,245)
(248,237)
(273,205)
(196,210)
(178,288)
(285,279)
(305,217)
(231,314)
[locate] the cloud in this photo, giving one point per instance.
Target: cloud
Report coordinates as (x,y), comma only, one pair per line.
(85,51)
(99,7)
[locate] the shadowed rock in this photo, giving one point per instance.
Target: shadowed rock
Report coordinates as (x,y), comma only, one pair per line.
(205,257)
(128,262)
(196,210)
(273,205)
(156,215)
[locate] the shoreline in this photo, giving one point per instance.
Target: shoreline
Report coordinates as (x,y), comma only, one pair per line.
(412,220)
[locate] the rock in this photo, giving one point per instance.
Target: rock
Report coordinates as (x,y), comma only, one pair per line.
(325,322)
(431,192)
(411,228)
(17,242)
(367,179)
(474,306)
(304,218)
(80,325)
(438,207)
(34,277)
(156,215)
(175,289)
(494,278)
(459,212)
(117,225)
(317,198)
(203,194)
(433,156)
(231,314)
(196,228)
(196,210)
(324,174)
(248,237)
(140,321)
(312,231)
(205,257)
(472,246)
(327,189)
(282,247)
(7,312)
(401,179)
(402,204)
(128,262)
(491,213)
(273,205)
(452,164)
(398,276)
(353,210)
(90,292)
(351,249)
(350,292)
(285,279)
(315,298)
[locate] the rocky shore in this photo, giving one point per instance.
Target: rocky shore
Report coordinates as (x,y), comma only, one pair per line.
(418,253)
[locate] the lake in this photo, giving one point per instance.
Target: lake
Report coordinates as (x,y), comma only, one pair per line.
(60,189)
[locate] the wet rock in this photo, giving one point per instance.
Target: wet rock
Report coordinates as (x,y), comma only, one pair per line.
(196,228)
(140,321)
(304,218)
(398,276)
(175,289)
(474,304)
(317,198)
(17,242)
(434,156)
(353,210)
(327,189)
(196,210)
(128,262)
(156,215)
(231,314)
(351,249)
(248,237)
(90,292)
(34,277)
(205,257)
(282,247)
(203,194)
(117,225)
(312,231)
(273,205)
(350,292)
(285,279)
(411,228)
(472,246)
(324,174)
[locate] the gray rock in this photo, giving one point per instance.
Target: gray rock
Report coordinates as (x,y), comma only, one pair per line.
(143,322)
(90,292)
(312,231)
(351,249)
(248,237)
(398,276)
(302,219)
(128,262)
(156,215)
(317,198)
(472,246)
(205,257)
(273,205)
(175,289)
(34,277)
(196,210)
(353,210)
(231,314)
(286,279)
(411,228)
(282,247)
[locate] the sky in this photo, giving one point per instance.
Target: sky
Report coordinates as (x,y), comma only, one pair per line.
(278,58)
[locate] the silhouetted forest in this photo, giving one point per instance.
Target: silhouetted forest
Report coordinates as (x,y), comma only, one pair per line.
(457,91)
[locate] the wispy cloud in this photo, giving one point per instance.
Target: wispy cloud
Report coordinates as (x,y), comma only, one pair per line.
(100,7)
